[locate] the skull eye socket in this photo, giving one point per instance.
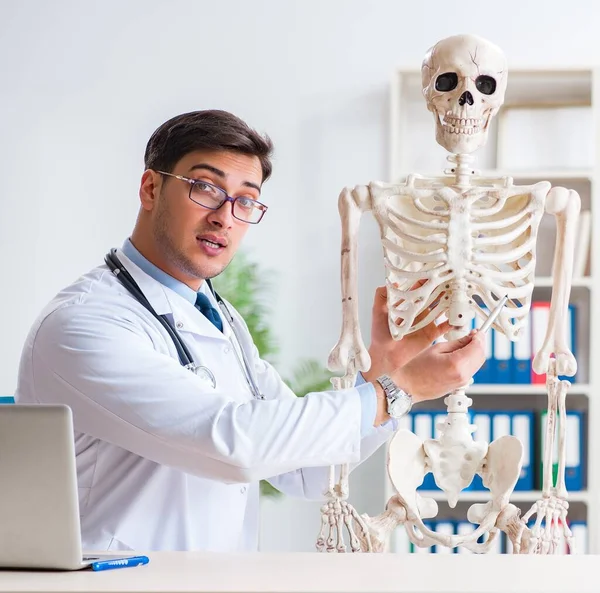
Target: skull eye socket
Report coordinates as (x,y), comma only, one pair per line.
(446,82)
(485,84)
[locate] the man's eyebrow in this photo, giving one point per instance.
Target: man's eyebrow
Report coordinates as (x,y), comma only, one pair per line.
(221,174)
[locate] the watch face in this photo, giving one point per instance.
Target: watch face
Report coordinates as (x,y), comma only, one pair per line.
(399,407)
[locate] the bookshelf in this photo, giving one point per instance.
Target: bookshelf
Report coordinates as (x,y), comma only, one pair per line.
(544,98)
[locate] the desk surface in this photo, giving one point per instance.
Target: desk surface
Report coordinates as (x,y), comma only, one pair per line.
(348,573)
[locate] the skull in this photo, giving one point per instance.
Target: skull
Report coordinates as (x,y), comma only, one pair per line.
(464,82)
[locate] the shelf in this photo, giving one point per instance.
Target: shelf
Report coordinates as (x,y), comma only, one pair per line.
(516,496)
(520,389)
(413,151)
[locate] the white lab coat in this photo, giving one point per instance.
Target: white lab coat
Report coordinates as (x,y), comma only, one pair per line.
(164,460)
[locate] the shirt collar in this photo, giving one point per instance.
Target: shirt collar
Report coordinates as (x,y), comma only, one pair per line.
(159,275)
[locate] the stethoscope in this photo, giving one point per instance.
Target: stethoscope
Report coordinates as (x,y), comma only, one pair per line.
(185,357)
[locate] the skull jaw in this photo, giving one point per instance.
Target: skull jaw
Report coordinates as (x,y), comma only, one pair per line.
(459,143)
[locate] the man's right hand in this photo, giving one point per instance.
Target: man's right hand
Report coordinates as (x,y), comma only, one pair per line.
(436,371)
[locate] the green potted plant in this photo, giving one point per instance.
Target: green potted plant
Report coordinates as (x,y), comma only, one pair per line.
(245,286)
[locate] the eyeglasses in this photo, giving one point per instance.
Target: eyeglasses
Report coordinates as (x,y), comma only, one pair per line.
(213,197)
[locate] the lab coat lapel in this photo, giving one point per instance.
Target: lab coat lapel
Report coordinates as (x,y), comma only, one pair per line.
(184,316)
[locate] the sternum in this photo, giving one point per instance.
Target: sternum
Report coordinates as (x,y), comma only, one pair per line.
(460,241)
(460,246)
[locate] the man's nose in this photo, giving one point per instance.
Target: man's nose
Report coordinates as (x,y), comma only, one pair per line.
(223,216)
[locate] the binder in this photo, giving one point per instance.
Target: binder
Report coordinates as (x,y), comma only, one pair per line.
(404,423)
(493,425)
(7,400)
(429,550)
(483,420)
(497,546)
(522,355)
(571,332)
(500,425)
(501,358)
(424,429)
(400,542)
(462,528)
(574,478)
(522,427)
(540,317)
(447,528)
(579,530)
(483,375)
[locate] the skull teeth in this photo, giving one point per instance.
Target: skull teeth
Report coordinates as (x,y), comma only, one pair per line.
(462,125)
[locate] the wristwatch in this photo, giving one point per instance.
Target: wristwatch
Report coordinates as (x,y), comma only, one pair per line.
(399,402)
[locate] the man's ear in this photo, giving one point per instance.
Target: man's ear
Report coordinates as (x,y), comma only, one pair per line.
(150,189)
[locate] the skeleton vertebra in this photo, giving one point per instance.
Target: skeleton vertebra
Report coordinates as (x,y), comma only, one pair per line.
(469,241)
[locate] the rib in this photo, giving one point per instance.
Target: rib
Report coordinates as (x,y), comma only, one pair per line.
(434,256)
(503,256)
(500,223)
(438,238)
(424,224)
(517,274)
(506,238)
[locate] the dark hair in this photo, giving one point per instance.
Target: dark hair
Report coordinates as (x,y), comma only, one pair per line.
(205,130)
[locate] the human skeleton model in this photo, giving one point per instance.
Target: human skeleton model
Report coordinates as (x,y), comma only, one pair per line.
(454,245)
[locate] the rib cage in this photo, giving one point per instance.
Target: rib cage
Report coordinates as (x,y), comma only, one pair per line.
(489,252)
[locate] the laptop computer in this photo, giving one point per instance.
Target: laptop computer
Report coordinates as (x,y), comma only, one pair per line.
(39,503)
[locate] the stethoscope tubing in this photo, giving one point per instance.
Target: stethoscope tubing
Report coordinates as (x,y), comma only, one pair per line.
(185,357)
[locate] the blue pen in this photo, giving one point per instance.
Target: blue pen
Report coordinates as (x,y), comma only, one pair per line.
(120,563)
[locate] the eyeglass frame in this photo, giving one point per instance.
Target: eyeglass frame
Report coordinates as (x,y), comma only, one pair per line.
(227,198)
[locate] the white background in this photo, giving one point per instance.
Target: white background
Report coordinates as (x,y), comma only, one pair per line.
(83,85)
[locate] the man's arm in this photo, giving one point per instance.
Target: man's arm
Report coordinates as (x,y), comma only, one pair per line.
(95,359)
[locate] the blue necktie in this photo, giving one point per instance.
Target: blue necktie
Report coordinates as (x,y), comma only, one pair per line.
(203,305)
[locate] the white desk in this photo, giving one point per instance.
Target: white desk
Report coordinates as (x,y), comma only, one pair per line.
(345,573)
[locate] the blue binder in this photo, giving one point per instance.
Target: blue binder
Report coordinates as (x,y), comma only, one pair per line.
(7,400)
(523,427)
(502,354)
(483,375)
(522,357)
(574,477)
(423,427)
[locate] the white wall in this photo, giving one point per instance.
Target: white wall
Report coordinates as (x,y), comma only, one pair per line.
(84,84)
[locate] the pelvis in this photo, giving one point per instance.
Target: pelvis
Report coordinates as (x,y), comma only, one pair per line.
(454,461)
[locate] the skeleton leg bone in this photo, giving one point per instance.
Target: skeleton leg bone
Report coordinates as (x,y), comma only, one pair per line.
(551,510)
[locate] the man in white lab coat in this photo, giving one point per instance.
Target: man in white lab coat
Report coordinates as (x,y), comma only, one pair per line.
(170,459)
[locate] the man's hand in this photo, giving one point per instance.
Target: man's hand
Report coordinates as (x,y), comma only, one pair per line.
(436,371)
(442,367)
(385,352)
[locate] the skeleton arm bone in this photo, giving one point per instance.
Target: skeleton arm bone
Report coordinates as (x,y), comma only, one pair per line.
(565,206)
(350,355)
